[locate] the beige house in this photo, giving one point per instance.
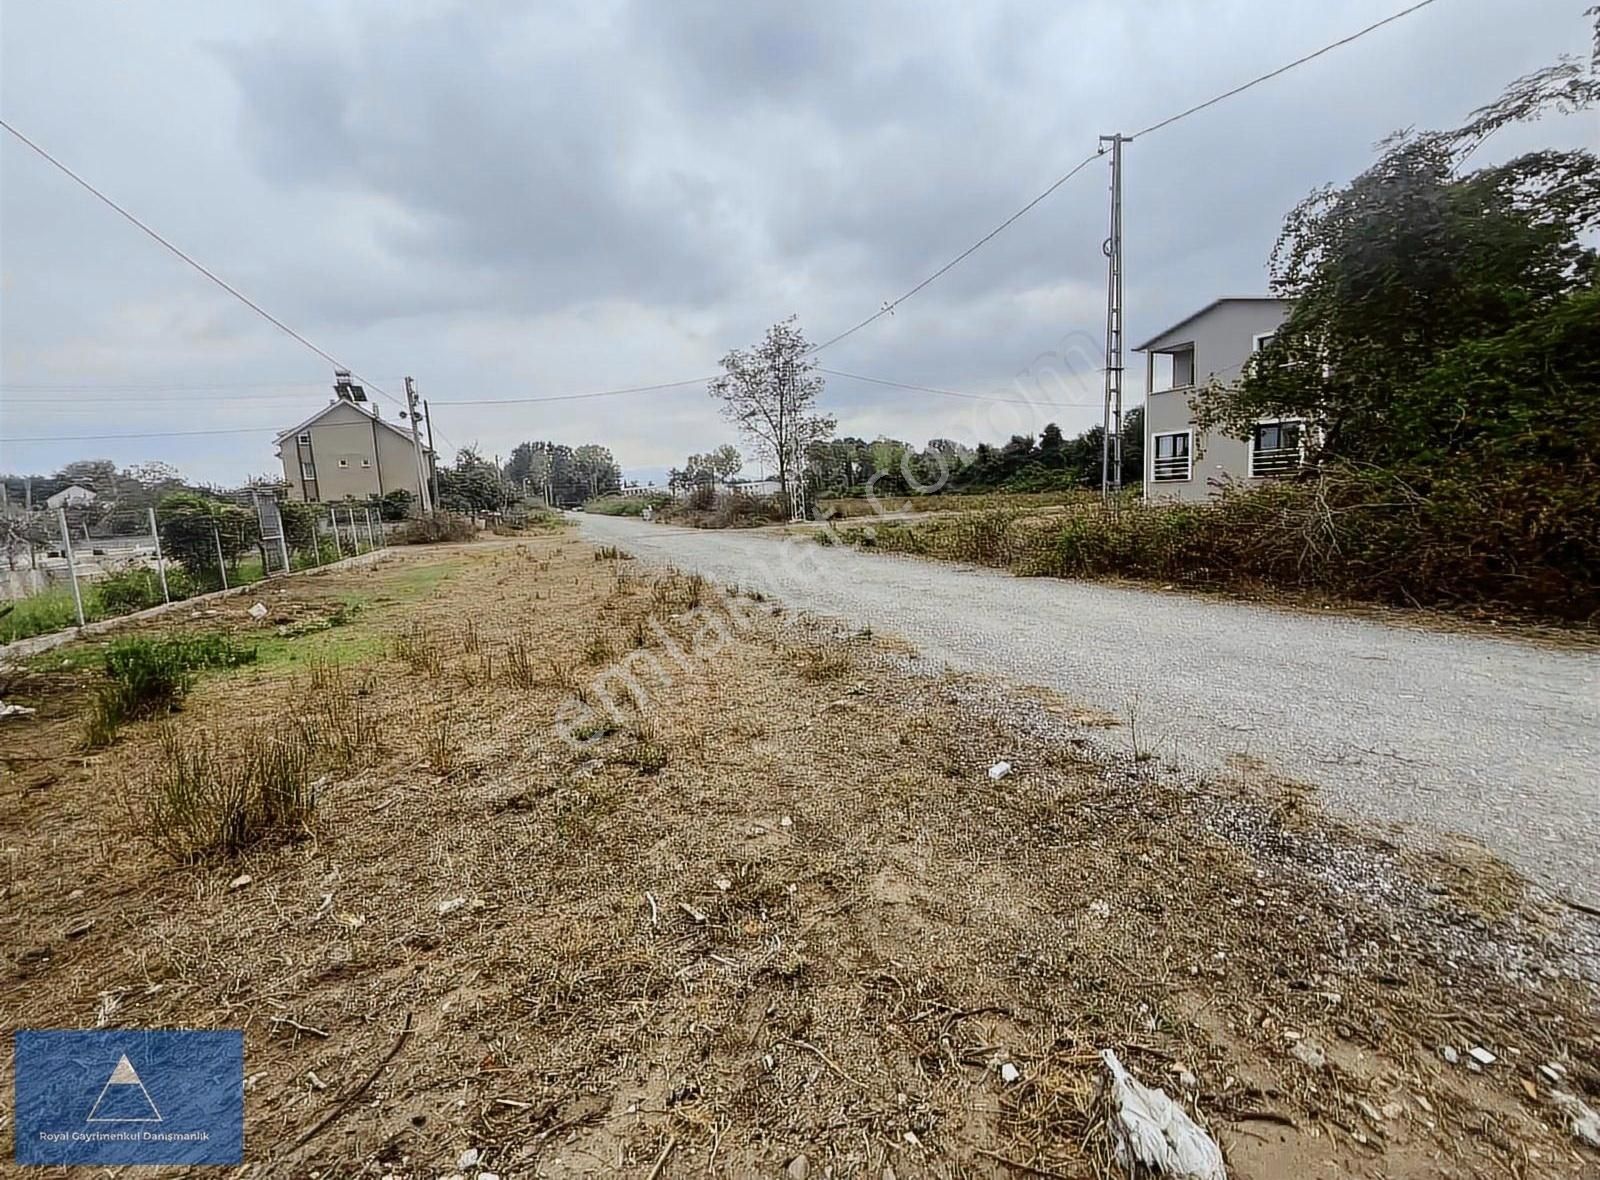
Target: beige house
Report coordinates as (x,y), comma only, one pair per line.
(346,451)
(1181,463)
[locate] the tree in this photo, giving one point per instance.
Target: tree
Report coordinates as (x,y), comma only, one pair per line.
(725,462)
(193,527)
(472,485)
(770,392)
(1412,259)
(596,469)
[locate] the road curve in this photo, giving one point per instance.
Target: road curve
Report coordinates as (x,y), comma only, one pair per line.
(1495,739)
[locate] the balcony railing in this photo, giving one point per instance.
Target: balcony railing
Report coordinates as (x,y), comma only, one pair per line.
(1276,461)
(1170,469)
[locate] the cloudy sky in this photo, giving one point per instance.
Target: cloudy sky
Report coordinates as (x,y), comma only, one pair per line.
(515,201)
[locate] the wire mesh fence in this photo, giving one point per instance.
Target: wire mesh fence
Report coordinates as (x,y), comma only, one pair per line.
(66,567)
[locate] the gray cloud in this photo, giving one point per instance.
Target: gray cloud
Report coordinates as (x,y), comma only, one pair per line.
(505,199)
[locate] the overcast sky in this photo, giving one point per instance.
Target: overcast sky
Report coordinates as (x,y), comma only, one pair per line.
(506,200)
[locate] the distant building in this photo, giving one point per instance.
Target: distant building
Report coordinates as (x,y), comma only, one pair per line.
(345,451)
(1180,462)
(72,496)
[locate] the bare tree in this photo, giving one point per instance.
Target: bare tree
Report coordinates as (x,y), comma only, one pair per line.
(770,393)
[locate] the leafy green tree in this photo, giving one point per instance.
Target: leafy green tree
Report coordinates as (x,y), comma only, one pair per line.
(193,526)
(1412,259)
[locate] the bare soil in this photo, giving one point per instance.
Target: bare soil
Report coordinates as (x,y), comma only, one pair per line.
(782,910)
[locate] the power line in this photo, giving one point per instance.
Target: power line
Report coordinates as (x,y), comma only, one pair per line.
(143,434)
(132,401)
(193,262)
(978,397)
(572,397)
(889,307)
(158,387)
(1283,69)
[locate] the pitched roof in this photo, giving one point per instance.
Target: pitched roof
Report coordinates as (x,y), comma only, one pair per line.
(337,402)
(1167,331)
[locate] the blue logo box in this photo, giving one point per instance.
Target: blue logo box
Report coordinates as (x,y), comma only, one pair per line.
(121,1096)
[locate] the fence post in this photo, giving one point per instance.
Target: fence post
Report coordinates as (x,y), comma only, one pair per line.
(355,533)
(338,545)
(72,566)
(161,565)
(316,541)
(371,542)
(283,544)
(222,566)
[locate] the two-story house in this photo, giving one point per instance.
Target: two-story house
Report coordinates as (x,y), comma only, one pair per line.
(346,451)
(1180,462)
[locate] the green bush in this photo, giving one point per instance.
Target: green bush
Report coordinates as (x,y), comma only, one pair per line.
(624,505)
(151,676)
(431,530)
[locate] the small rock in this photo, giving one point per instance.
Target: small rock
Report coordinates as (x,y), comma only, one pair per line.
(1481,1055)
(468,1158)
(723,884)
(1100,909)
(1309,1054)
(1187,1080)
(488,1176)
(1582,1121)
(75,895)
(1528,1088)
(786,822)
(1450,1055)
(258,611)
(1009,1073)
(1392,1110)
(912,1140)
(240,881)
(1369,1110)
(1552,1071)
(450,906)
(799,1168)
(999,770)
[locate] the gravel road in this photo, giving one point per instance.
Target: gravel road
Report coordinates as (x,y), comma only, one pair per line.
(1495,739)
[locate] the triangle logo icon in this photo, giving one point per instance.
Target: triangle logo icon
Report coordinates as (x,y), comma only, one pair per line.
(123,1099)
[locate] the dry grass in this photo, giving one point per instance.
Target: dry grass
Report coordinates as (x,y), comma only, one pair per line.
(760,919)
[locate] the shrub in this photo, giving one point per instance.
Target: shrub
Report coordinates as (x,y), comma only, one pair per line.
(128,590)
(151,676)
(431,530)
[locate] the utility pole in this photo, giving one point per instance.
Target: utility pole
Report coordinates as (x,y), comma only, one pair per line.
(432,459)
(416,446)
(1111,449)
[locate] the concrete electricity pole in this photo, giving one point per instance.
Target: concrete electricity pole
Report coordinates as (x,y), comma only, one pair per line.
(433,456)
(416,445)
(1111,450)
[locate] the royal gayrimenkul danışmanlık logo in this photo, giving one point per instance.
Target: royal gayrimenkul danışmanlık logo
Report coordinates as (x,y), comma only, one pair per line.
(124,1096)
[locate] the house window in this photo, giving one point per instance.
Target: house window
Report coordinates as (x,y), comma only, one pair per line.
(1173,462)
(344,462)
(1277,448)
(366,462)
(305,437)
(1260,340)
(308,471)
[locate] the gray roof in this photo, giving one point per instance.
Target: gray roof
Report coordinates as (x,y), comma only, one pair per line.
(1171,328)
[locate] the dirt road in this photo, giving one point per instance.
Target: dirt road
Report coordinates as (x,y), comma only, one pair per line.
(1497,740)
